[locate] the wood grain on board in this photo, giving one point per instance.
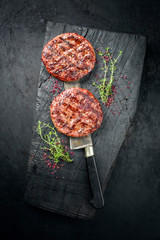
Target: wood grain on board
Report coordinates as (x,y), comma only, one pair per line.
(67,191)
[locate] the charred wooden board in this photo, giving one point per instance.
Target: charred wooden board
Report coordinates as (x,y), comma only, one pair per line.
(67,191)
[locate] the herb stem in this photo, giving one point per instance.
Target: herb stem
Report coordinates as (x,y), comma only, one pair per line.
(55,148)
(105,86)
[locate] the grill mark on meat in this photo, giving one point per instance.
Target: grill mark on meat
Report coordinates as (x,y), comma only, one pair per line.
(68,57)
(68,106)
(76,112)
(68,43)
(78,41)
(63,48)
(59,121)
(89,101)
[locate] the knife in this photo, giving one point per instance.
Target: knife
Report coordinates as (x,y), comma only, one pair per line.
(86,143)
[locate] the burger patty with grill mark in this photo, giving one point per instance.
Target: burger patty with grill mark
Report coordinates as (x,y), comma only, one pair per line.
(76,112)
(68,57)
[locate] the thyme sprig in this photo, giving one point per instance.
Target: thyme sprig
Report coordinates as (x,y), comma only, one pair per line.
(55,148)
(105,86)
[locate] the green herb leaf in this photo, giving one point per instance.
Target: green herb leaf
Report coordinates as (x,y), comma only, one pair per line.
(55,148)
(105,86)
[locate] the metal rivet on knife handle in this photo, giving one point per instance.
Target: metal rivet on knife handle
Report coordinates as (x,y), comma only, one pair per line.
(89,151)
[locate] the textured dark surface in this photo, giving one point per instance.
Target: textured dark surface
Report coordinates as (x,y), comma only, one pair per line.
(132,197)
(70,194)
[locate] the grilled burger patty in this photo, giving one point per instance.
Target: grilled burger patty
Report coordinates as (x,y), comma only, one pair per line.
(68,57)
(76,112)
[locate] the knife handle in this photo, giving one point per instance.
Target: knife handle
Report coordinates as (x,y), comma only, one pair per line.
(98,200)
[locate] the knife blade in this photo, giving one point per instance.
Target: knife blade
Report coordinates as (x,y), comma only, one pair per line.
(80,142)
(86,143)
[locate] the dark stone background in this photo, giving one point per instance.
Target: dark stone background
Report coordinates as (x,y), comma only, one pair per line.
(132,197)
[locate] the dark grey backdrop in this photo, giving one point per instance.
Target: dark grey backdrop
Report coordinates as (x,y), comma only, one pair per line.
(132,197)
